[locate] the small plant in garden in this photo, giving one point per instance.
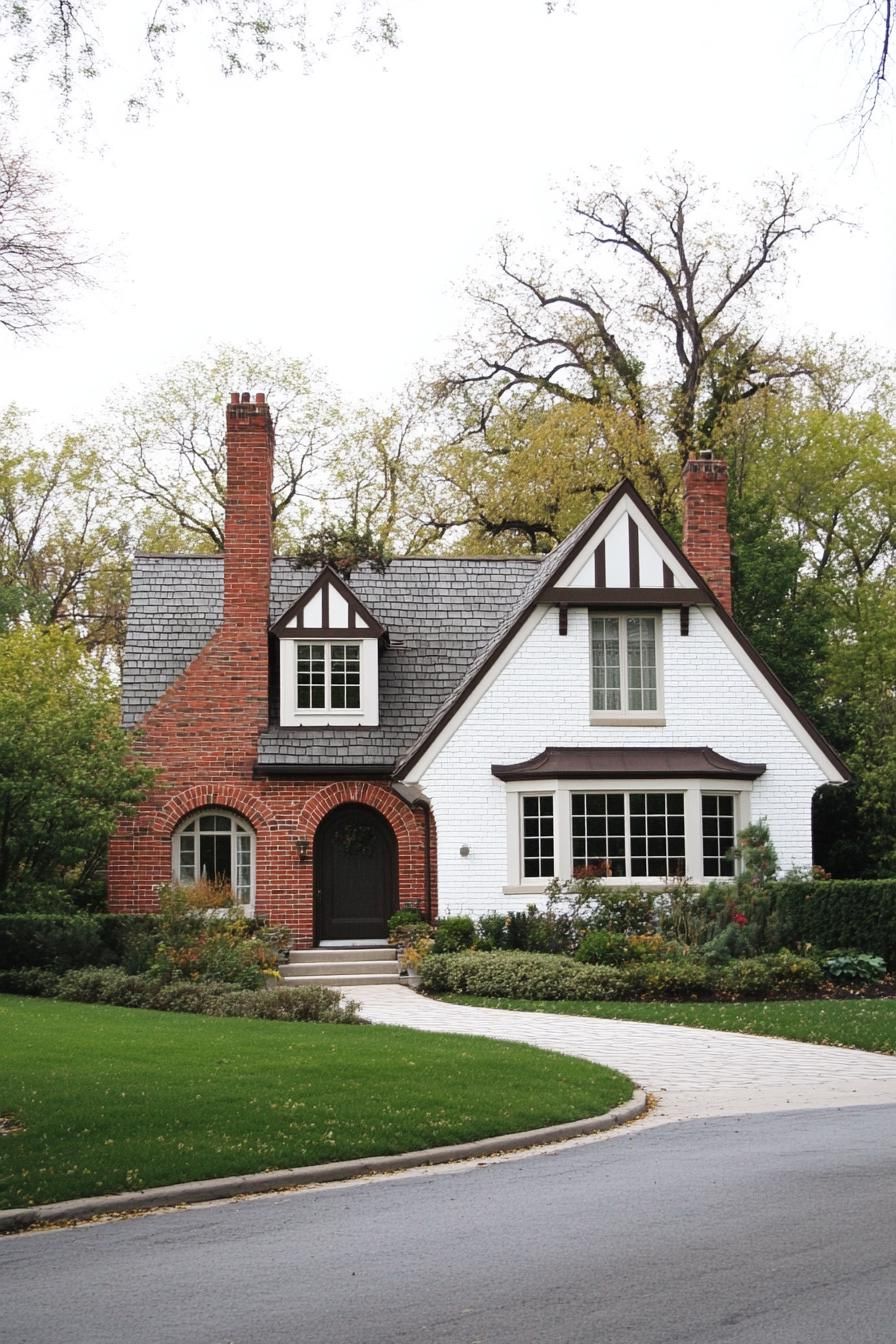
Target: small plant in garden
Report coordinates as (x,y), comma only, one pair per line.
(414,954)
(454,933)
(854,967)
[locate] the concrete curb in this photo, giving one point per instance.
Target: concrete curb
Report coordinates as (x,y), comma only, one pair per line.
(229,1187)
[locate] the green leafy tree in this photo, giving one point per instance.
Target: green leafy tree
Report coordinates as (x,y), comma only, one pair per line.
(65,772)
(64,546)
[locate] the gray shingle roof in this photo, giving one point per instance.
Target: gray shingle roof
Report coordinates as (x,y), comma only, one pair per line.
(440,615)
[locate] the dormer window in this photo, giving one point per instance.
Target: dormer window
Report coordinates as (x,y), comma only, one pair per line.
(328,676)
(329,658)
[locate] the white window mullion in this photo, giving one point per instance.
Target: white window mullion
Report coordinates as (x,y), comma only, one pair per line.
(693,835)
(563,832)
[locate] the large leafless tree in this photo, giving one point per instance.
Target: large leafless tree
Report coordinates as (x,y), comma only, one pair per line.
(39,257)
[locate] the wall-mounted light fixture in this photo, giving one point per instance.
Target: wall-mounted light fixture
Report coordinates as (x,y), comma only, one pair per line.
(302,847)
(465,851)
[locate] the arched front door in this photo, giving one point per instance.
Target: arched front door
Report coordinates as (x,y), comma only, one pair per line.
(355,874)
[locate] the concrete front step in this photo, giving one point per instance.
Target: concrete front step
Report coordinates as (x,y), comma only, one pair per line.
(343,979)
(316,955)
(338,966)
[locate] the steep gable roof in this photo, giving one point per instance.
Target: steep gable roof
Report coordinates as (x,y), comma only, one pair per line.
(328,606)
(438,614)
(544,588)
(449,622)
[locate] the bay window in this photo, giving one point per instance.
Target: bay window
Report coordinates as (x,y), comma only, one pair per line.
(639,830)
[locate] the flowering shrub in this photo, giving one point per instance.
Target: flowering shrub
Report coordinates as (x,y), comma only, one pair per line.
(205,941)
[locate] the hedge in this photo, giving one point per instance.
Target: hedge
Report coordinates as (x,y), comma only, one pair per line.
(539,975)
(840,913)
(65,942)
(519,975)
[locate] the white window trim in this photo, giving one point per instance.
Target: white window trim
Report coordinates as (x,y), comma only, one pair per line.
(692,788)
(235,817)
(290,713)
(629,717)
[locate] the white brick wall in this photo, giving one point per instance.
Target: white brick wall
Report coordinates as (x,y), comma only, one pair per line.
(541,699)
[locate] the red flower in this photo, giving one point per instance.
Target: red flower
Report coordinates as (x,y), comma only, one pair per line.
(740,919)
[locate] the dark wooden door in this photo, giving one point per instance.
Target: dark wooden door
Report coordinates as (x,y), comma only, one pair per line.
(354,874)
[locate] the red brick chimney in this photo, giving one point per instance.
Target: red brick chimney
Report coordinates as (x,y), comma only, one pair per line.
(706,542)
(248,545)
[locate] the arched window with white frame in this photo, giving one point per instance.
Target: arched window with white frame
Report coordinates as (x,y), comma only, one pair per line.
(216,846)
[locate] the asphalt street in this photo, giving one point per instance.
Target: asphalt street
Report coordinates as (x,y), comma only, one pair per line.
(758,1229)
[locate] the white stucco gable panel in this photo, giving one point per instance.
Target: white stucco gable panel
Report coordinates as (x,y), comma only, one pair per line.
(540,696)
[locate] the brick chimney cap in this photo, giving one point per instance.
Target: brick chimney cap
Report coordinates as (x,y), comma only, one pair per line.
(245,397)
(234,398)
(706,454)
(259,398)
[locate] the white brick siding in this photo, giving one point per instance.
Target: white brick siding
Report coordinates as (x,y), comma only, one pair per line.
(542,698)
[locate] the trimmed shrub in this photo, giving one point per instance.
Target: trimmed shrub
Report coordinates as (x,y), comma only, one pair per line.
(34,982)
(491,931)
(843,913)
(111,985)
(301,1003)
(55,941)
(454,933)
(534,930)
(781,975)
(686,978)
(601,947)
(519,975)
(64,942)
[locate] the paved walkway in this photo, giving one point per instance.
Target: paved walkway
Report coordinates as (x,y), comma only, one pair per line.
(693,1073)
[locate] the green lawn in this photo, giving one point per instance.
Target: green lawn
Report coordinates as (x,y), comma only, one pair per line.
(866,1024)
(113,1099)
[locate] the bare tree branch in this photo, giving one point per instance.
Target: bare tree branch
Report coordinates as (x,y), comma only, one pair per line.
(39,262)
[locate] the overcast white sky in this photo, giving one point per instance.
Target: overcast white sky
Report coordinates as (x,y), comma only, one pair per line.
(334,215)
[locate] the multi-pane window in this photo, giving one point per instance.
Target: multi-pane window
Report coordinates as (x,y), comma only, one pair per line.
(624,664)
(718,834)
(657,834)
(627,834)
(598,834)
(538,835)
(215,847)
(328,676)
(311,676)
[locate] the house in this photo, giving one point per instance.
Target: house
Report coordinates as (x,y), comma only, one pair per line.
(451,733)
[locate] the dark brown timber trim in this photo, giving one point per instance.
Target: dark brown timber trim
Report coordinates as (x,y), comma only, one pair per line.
(564,610)
(628,597)
(600,565)
(684,617)
(634,558)
(668,576)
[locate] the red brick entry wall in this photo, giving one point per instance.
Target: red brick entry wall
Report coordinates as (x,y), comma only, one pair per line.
(281,812)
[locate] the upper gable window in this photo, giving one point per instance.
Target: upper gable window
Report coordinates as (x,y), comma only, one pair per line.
(626,663)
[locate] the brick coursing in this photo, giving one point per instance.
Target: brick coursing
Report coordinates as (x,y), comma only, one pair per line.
(705,539)
(202,733)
